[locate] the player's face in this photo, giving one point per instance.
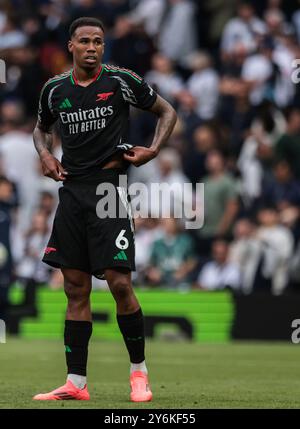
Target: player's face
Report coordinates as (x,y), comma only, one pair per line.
(87,47)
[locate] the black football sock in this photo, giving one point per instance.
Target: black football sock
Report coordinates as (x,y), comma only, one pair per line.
(132,329)
(77,335)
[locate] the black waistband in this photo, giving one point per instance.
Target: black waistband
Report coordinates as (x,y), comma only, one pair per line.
(97,176)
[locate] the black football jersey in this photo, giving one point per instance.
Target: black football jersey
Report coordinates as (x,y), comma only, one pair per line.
(93,120)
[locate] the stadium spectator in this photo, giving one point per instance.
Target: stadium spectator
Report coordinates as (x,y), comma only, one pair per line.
(163,77)
(7,204)
(245,252)
(257,152)
(11,35)
(288,145)
(268,73)
(282,188)
(87,8)
(277,245)
(204,85)
(147,231)
(231,83)
(165,169)
(131,46)
(240,121)
(47,203)
(220,202)
(170,173)
(172,257)
(19,157)
(187,114)
(285,52)
(274,19)
(27,77)
(256,156)
(150,14)
(289,216)
(258,71)
(178,35)
(203,140)
(31,269)
(56,280)
(219,273)
(242,29)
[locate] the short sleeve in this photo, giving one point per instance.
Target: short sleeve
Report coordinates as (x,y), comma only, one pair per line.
(136,90)
(230,191)
(46,114)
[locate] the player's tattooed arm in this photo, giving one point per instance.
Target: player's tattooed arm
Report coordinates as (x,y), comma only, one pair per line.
(165,125)
(167,117)
(43,143)
(42,140)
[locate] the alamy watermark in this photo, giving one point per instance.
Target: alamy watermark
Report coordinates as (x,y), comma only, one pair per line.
(295,76)
(158,200)
(2,331)
(296,333)
(2,71)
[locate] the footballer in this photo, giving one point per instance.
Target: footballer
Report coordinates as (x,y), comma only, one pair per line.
(90,106)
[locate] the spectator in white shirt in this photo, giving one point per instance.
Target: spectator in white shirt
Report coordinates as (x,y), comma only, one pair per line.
(178,35)
(284,54)
(220,273)
(149,13)
(164,78)
(242,29)
(257,71)
(19,157)
(204,85)
(35,241)
(246,252)
(278,243)
(11,37)
(257,149)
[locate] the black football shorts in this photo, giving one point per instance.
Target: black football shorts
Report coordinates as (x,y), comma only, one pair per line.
(93,228)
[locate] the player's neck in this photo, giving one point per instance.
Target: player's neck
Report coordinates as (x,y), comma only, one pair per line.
(82,76)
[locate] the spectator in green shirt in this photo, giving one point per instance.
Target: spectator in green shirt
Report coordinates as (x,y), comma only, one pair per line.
(220,202)
(172,257)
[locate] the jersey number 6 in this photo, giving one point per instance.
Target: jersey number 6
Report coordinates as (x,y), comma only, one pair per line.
(121,241)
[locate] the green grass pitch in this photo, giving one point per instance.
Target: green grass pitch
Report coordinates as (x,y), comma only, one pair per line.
(182,375)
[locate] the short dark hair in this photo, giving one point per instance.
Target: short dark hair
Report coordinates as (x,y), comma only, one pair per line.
(83,22)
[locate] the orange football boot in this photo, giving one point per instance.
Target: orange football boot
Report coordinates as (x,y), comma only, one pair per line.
(140,389)
(66,392)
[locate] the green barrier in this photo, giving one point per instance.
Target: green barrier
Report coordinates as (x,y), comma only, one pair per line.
(209,314)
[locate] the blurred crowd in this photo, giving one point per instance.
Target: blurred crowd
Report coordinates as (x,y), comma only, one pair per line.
(227,68)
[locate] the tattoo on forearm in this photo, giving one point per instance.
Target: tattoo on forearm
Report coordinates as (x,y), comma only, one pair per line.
(42,140)
(163,130)
(165,124)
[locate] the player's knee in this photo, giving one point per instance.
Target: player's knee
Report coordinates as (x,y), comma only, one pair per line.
(121,289)
(77,293)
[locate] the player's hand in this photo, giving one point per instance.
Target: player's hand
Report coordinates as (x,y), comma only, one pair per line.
(52,168)
(139,155)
